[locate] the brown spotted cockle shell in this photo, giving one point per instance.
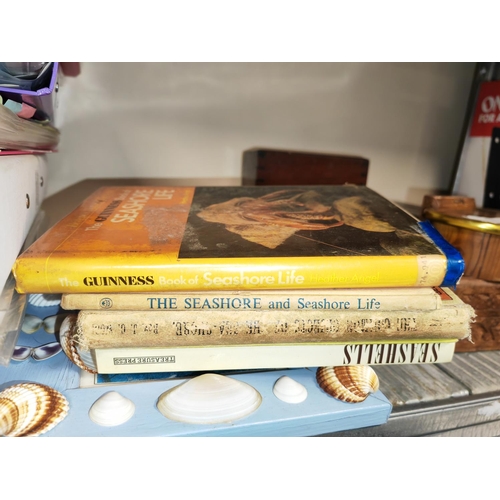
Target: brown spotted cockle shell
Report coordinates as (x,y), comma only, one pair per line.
(82,359)
(30,409)
(351,384)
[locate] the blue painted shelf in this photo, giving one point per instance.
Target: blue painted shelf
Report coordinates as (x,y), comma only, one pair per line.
(318,414)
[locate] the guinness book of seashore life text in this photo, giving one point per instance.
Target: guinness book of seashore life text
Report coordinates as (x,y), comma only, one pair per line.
(145,239)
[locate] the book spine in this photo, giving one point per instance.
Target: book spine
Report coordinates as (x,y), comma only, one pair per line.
(332,300)
(144,360)
(59,274)
(96,329)
(455,267)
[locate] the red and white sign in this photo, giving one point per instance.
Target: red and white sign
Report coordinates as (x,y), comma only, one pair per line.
(487,112)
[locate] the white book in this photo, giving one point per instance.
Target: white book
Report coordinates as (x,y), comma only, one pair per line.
(270,356)
(23,181)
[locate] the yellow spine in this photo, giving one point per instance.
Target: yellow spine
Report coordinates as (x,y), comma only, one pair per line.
(60,274)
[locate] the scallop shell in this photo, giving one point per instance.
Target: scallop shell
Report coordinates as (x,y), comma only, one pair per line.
(30,409)
(44,299)
(209,399)
(288,390)
(111,409)
(82,359)
(351,384)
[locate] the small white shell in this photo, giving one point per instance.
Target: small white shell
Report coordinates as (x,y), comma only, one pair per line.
(30,409)
(209,399)
(290,391)
(111,409)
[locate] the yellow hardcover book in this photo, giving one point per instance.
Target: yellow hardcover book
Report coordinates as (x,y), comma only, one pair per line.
(152,239)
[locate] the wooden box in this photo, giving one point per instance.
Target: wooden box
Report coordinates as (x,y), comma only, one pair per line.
(283,167)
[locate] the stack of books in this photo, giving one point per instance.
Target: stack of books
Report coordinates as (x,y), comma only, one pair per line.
(249,277)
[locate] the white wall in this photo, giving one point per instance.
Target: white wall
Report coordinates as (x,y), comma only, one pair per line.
(195,119)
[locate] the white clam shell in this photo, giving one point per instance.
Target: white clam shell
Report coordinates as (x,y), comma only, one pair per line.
(82,359)
(209,399)
(30,409)
(290,391)
(111,409)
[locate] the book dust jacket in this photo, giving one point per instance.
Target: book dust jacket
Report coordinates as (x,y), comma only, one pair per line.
(142,238)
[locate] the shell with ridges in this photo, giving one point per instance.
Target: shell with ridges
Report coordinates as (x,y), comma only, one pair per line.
(351,384)
(30,409)
(44,299)
(82,359)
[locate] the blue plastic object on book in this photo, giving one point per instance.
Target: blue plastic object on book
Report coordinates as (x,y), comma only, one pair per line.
(456,264)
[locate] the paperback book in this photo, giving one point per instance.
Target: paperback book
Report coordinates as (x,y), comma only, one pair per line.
(156,239)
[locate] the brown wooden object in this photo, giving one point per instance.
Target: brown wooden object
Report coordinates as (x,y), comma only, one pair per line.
(458,204)
(484,297)
(282,167)
(474,232)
